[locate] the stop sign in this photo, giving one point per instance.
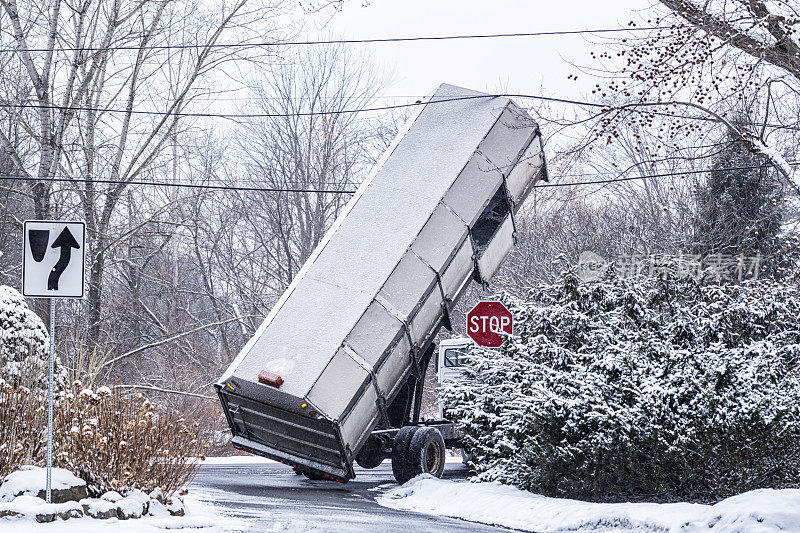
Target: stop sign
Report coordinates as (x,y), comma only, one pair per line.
(485,321)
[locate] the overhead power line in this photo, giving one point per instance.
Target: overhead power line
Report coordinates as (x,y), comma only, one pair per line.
(244,188)
(220,187)
(377,40)
(299,113)
(660,175)
(419,102)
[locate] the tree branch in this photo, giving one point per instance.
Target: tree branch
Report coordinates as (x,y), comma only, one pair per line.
(170,339)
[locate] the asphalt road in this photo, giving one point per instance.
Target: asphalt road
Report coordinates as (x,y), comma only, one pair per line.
(271,497)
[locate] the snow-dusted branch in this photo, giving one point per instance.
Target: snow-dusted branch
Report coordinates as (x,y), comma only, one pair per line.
(168,391)
(748,138)
(171,339)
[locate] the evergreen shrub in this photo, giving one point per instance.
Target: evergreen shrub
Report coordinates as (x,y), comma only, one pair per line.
(639,388)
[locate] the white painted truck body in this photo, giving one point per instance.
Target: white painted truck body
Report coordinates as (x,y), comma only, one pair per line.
(436,212)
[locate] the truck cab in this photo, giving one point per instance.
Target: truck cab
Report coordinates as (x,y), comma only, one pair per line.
(452,358)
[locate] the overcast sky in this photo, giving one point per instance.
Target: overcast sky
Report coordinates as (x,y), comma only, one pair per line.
(523,64)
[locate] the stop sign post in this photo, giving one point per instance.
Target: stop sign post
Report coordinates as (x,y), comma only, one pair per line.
(486,321)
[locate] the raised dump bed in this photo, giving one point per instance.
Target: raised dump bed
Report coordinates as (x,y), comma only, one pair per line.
(350,331)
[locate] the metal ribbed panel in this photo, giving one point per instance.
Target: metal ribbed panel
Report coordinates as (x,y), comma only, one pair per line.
(284,431)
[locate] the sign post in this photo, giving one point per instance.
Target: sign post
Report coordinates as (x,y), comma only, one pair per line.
(52,272)
(50,366)
(486,323)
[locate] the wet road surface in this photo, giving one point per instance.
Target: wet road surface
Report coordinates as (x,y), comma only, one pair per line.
(271,497)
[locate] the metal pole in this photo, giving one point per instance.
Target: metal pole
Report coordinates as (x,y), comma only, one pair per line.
(50,397)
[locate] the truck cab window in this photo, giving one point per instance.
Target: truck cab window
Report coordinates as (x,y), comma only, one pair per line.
(455,357)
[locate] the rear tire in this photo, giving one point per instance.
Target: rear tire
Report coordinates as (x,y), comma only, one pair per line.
(424,454)
(314,476)
(371,454)
(400,445)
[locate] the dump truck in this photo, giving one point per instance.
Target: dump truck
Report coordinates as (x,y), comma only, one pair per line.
(335,374)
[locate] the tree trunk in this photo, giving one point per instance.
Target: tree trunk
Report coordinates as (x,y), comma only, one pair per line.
(94,299)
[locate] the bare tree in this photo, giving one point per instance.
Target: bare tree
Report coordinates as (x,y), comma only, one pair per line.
(12,212)
(107,81)
(711,63)
(319,144)
(311,154)
(186,290)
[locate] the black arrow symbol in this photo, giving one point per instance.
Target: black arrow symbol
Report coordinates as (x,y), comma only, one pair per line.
(66,242)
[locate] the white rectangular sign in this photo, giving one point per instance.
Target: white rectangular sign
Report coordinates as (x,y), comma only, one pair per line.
(53,258)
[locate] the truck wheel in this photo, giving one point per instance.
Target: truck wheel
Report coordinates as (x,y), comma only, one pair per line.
(314,476)
(428,450)
(400,445)
(425,454)
(371,454)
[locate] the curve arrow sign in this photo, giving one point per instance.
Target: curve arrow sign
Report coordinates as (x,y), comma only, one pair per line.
(66,241)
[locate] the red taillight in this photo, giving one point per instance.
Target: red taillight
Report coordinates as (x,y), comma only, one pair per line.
(270,378)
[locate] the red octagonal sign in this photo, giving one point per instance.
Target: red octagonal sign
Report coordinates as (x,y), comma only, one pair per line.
(485,321)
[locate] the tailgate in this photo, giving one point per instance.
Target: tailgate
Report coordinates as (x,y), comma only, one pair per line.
(279,434)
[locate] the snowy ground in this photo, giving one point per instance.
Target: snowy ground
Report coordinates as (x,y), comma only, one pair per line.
(201,518)
(18,494)
(266,496)
(238,494)
(238,460)
(764,510)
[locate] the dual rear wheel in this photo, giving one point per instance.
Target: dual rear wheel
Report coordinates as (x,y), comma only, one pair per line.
(417,450)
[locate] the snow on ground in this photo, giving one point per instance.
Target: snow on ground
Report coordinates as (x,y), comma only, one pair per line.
(200,518)
(757,511)
(19,508)
(763,510)
(30,480)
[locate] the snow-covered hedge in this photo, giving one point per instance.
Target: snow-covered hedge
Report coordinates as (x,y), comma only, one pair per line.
(111,440)
(640,387)
(24,344)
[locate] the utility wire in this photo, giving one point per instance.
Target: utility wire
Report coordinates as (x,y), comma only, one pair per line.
(299,113)
(346,41)
(84,179)
(420,101)
(662,175)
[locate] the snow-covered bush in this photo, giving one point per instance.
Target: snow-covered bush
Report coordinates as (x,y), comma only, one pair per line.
(24,345)
(121,442)
(640,387)
(111,440)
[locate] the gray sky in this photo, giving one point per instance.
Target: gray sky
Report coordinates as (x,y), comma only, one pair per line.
(525,64)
